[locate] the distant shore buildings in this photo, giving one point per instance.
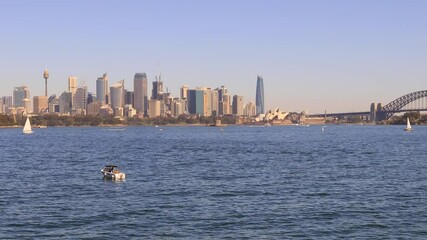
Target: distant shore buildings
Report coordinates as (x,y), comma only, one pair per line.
(121,102)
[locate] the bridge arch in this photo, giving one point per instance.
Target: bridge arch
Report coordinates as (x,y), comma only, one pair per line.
(396,105)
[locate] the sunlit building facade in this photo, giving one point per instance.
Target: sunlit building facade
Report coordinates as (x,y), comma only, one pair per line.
(238,105)
(72,85)
(259,95)
(40,104)
(102,89)
(140,93)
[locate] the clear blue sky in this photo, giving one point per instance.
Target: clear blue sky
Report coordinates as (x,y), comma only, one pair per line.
(334,55)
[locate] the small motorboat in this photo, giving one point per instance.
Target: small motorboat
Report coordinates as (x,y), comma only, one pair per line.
(112,172)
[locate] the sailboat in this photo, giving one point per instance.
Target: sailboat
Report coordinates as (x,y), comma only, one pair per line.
(27,127)
(408,125)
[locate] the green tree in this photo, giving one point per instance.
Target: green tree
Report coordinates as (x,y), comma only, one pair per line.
(6,120)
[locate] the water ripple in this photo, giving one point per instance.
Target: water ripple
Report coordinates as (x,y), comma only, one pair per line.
(350,182)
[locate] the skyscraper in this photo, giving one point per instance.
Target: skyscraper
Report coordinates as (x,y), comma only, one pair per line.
(259,95)
(19,94)
(154,108)
(224,105)
(140,93)
(249,110)
(40,104)
(117,98)
(102,89)
(184,92)
(7,103)
(80,100)
(195,101)
(157,88)
(207,104)
(238,105)
(223,101)
(65,103)
(26,102)
(215,102)
(72,84)
(129,98)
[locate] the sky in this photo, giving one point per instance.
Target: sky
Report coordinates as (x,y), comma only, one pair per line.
(314,56)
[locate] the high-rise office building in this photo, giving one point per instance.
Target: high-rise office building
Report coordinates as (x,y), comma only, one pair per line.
(116,92)
(72,84)
(90,97)
(102,89)
(250,110)
(40,104)
(214,102)
(154,108)
(224,105)
(140,93)
(93,108)
(53,104)
(238,105)
(259,95)
(20,93)
(7,103)
(178,107)
(195,101)
(26,103)
(221,92)
(157,90)
(130,98)
(224,101)
(207,104)
(80,100)
(184,92)
(65,103)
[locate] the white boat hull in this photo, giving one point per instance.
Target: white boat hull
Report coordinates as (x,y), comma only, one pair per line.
(114,176)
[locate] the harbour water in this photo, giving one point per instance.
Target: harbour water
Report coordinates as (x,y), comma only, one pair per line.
(346,182)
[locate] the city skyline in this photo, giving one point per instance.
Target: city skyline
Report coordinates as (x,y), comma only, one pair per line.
(315,56)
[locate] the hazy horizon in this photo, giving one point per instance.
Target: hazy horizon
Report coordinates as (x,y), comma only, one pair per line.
(313,55)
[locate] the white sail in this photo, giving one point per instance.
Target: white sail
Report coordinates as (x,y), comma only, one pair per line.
(27,127)
(408,125)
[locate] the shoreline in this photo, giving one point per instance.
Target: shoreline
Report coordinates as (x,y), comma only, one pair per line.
(203,125)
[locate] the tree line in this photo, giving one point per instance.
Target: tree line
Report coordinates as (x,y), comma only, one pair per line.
(53,120)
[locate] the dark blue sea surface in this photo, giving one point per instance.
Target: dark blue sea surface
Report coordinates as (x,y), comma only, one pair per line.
(287,182)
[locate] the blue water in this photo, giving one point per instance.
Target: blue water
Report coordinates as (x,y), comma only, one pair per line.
(348,182)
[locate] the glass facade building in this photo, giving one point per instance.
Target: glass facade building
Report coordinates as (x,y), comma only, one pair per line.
(259,95)
(195,101)
(140,93)
(19,94)
(102,89)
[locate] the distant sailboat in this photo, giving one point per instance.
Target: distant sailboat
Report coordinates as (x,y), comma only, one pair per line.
(408,125)
(27,127)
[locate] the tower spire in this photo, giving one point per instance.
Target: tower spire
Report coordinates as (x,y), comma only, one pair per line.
(45,76)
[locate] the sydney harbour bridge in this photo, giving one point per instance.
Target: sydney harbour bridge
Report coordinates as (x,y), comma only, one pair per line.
(411,102)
